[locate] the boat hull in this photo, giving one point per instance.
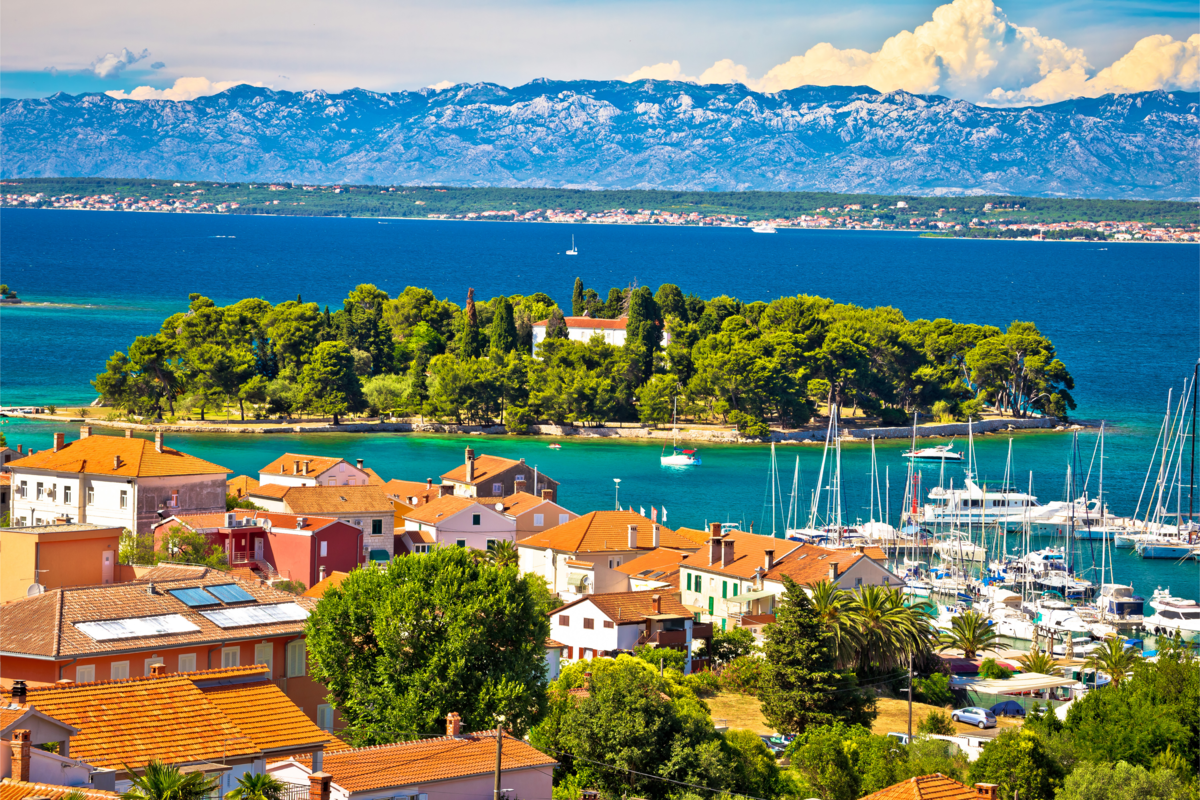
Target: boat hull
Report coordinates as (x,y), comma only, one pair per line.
(679,461)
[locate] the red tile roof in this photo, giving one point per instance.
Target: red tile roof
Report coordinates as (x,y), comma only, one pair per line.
(412,492)
(486,468)
(240,486)
(337,500)
(280,522)
(438,511)
(138,459)
(697,536)
(11,789)
(809,564)
(286,463)
(602,531)
(267,716)
(749,553)
(515,504)
(927,787)
(591,323)
(626,607)
(318,589)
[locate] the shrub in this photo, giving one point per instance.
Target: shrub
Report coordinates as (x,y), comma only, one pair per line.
(704,684)
(668,657)
(51,408)
(992,670)
(749,426)
(292,587)
(934,690)
(944,411)
(971,409)
(893,417)
(743,674)
(83,412)
(517,419)
(937,722)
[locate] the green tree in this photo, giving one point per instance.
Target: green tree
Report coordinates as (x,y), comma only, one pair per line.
(556,326)
(655,399)
(670,302)
(253,391)
(1120,781)
(328,385)
(1017,761)
(937,721)
(821,757)
(728,645)
(577,306)
(182,545)
(1039,661)
(257,787)
(503,554)
(801,685)
(970,632)
(400,648)
(504,330)
(469,342)
(759,774)
(1114,659)
(384,393)
(160,781)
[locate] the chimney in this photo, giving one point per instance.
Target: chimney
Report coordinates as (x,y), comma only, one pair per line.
(128,433)
(20,755)
(445,489)
(727,552)
(116,462)
(318,785)
(655,536)
(360,463)
(150,588)
(296,467)
(858,548)
(301,522)
(714,529)
(85,431)
(986,790)
(21,448)
(656,603)
(453,724)
(158,441)
(519,486)
(470,465)
(769,561)
(714,549)
(158,669)
(321,574)
(833,572)
(633,537)
(59,441)
(18,693)
(548,494)
(306,463)
(428,483)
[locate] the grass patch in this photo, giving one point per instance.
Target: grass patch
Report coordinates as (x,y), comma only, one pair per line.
(893,718)
(740,711)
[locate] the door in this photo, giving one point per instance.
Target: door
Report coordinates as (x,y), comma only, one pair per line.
(258,548)
(106,569)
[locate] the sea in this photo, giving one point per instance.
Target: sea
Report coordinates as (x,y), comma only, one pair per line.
(1125,318)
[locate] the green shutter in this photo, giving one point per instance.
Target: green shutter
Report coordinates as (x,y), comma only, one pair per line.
(735,589)
(689,581)
(710,605)
(722,623)
(724,589)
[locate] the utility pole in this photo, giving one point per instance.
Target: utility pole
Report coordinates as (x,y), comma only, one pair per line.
(499,747)
(910,696)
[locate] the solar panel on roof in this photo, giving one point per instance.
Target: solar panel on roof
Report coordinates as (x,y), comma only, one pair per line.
(256,615)
(194,597)
(109,629)
(231,593)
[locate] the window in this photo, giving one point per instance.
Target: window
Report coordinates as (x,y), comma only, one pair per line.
(564,620)
(150,662)
(589,624)
(119,670)
(231,656)
(377,527)
(497,489)
(124,498)
(67,495)
(187,662)
(735,590)
(24,488)
(91,495)
(570,651)
(608,623)
(475,519)
(324,549)
(722,624)
(421,548)
(563,519)
(264,653)
(296,655)
(520,477)
(461,543)
(325,717)
(41,490)
(491,544)
(610,563)
(350,482)
(710,606)
(539,520)
(857,582)
(724,589)
(689,581)
(174,503)
(332,481)
(85,673)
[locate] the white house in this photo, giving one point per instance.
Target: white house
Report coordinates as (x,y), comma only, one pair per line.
(292,469)
(365,507)
(582,329)
(113,481)
(458,521)
(603,624)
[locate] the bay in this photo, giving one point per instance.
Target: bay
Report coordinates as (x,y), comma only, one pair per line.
(1123,316)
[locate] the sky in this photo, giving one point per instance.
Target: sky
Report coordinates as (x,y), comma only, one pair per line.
(1026,52)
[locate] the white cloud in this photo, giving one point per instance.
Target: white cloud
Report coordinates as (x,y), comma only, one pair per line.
(184,89)
(969,49)
(437,87)
(110,65)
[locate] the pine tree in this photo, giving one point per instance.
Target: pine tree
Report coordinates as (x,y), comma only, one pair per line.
(504,328)
(643,331)
(577,304)
(470,346)
(328,384)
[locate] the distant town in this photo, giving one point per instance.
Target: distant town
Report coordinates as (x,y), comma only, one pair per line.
(972,217)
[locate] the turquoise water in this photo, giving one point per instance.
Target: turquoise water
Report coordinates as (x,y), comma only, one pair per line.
(1124,318)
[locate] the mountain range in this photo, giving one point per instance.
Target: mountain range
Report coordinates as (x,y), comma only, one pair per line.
(612,134)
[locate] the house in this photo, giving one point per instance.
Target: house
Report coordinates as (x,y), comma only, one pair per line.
(935,787)
(240,486)
(742,573)
(7,454)
(5,493)
(365,507)
(52,556)
(293,469)
(287,546)
(185,617)
(412,493)
(453,521)
(493,476)
(457,766)
(658,570)
(531,513)
(24,731)
(603,624)
(554,653)
(11,789)
(582,556)
(582,329)
(317,590)
(224,722)
(122,482)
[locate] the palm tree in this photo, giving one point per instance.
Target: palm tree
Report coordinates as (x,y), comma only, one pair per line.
(832,607)
(1039,661)
(1114,659)
(257,787)
(503,554)
(885,626)
(970,632)
(161,781)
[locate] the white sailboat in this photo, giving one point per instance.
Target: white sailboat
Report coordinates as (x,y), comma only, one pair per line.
(764,228)
(572,251)
(941,452)
(678,457)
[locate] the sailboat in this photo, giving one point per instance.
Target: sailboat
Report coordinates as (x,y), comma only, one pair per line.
(678,457)
(572,251)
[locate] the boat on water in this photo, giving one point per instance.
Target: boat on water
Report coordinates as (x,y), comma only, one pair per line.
(679,457)
(764,229)
(941,452)
(556,446)
(1173,615)
(572,251)
(957,546)
(1163,547)
(974,504)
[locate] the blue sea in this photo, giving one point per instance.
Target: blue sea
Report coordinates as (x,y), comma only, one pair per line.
(1124,318)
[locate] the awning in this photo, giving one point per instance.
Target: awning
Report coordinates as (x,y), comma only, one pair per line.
(576,580)
(1017,684)
(750,596)
(380,555)
(668,616)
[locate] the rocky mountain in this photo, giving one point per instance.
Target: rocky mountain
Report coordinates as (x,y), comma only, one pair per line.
(611,134)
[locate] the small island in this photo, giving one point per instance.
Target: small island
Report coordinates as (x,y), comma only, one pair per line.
(8,296)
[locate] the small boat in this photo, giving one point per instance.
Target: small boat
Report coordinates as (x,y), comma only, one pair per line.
(572,251)
(764,229)
(1163,547)
(556,446)
(941,452)
(1173,615)
(679,457)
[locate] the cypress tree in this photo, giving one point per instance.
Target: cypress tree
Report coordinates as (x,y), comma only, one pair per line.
(470,347)
(504,328)
(577,304)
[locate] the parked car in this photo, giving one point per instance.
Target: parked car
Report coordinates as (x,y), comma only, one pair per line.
(972,715)
(779,742)
(902,737)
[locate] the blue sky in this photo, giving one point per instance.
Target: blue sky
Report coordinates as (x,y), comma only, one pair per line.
(385,45)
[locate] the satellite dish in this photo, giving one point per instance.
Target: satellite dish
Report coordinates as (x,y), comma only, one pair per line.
(34,589)
(499,506)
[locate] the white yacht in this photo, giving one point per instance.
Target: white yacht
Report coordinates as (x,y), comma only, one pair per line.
(679,457)
(941,452)
(971,504)
(957,546)
(764,228)
(1173,614)
(572,251)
